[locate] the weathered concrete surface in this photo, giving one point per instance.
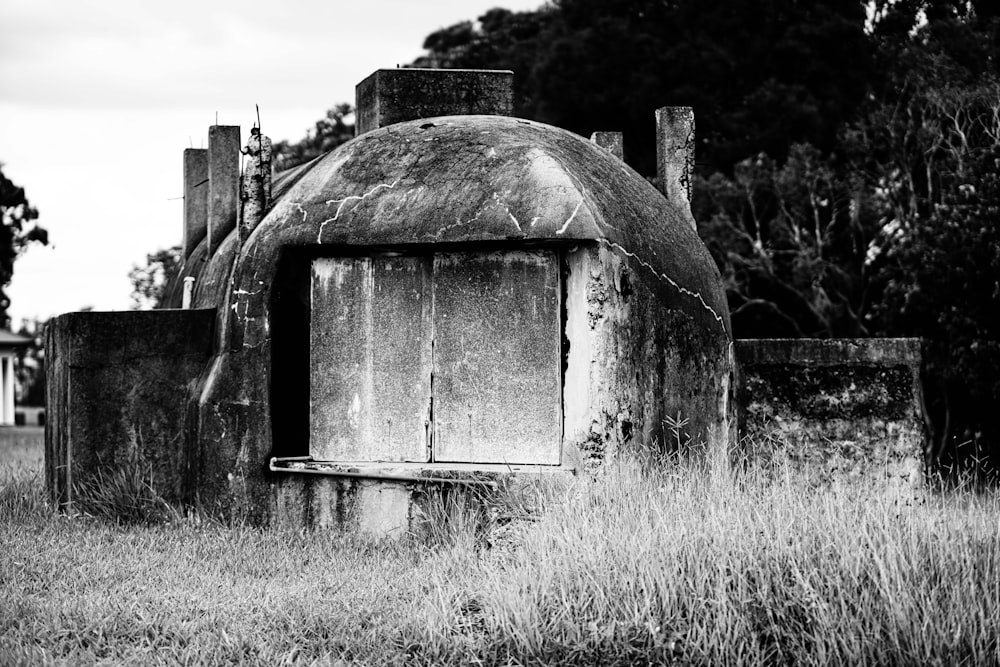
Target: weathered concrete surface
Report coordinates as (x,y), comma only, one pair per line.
(255,184)
(195,198)
(493,184)
(391,96)
(634,368)
(118,386)
(497,357)
(370,359)
(613,142)
(484,328)
(223,182)
(386,507)
(675,145)
(836,410)
(375,508)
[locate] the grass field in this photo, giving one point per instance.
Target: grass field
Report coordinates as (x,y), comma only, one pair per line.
(635,567)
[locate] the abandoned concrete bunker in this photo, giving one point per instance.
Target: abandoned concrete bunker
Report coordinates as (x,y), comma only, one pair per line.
(441,300)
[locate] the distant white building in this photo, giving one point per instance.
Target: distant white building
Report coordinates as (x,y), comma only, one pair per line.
(10,343)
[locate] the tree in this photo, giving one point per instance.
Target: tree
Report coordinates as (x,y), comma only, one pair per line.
(17,231)
(500,39)
(929,150)
(30,366)
(762,76)
(150,281)
(790,241)
(329,132)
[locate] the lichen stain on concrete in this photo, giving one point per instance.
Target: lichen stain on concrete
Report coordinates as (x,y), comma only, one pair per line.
(836,410)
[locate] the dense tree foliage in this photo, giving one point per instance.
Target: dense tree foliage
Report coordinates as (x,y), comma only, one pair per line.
(848,159)
(17,229)
(928,148)
(762,75)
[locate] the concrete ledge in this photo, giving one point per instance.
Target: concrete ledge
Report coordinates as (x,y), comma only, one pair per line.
(829,351)
(461,472)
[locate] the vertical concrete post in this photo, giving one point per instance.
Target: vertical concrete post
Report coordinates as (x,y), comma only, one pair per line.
(610,141)
(675,156)
(255,186)
(195,198)
(223,182)
(188,293)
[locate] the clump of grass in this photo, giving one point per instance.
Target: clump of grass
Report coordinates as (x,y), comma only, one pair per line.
(483,517)
(125,496)
(21,498)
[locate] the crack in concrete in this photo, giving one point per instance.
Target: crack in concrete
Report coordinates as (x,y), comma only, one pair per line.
(668,279)
(458,223)
(342,202)
(301,210)
(506,208)
(571,217)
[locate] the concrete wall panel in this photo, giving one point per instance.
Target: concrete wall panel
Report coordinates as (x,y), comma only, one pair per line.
(640,377)
(370,345)
(497,357)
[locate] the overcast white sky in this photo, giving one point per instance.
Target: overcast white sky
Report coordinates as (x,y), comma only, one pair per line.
(98,99)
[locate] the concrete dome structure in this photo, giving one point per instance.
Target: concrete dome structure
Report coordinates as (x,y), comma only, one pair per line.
(643,317)
(452,297)
(441,299)
(472,179)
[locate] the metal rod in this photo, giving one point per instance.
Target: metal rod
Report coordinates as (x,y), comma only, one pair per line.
(376,475)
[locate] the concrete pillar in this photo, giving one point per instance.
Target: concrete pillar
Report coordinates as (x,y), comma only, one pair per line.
(195,198)
(255,186)
(391,96)
(188,294)
(610,141)
(223,183)
(675,156)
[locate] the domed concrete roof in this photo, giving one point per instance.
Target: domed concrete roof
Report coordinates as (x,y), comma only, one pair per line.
(462,179)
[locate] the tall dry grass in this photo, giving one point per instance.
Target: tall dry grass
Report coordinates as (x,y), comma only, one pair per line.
(664,566)
(642,565)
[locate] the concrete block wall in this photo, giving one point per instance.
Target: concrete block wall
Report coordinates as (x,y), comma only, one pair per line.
(838,410)
(118,386)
